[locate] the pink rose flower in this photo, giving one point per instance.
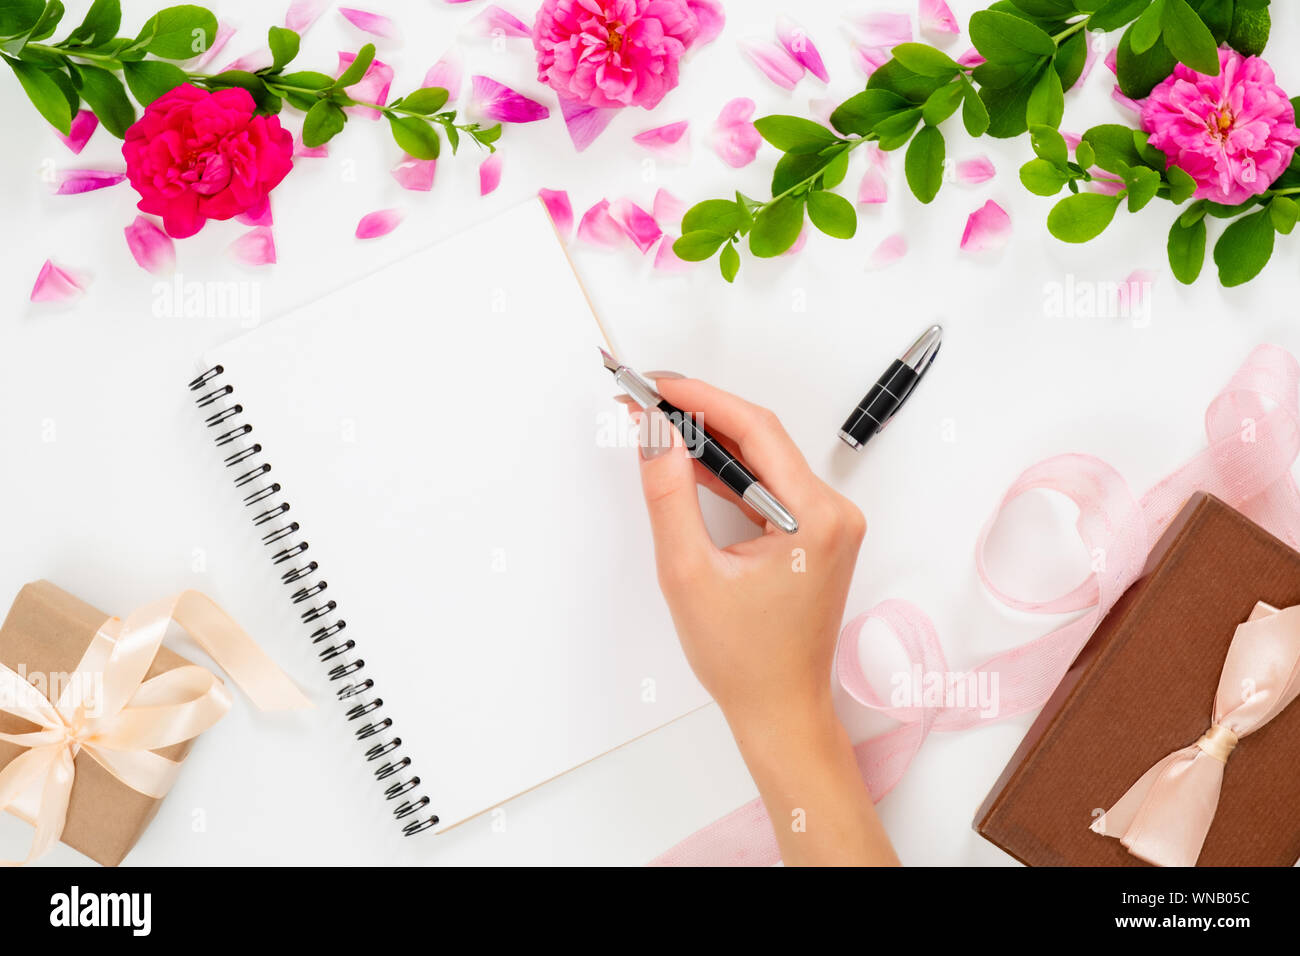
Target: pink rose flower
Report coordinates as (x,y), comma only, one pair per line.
(613,53)
(1233,133)
(195,156)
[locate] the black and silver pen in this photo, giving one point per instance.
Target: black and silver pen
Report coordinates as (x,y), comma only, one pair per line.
(891,390)
(704,447)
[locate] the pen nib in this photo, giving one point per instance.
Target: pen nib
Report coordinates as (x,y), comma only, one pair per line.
(611,363)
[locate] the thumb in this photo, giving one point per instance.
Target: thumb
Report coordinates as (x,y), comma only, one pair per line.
(668,480)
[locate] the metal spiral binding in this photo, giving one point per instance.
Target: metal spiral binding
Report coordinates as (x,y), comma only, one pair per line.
(280,534)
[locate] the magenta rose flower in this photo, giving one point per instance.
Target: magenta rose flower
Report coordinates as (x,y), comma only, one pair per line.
(613,53)
(1233,133)
(195,156)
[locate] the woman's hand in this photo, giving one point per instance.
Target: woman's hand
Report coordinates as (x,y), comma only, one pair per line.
(758,620)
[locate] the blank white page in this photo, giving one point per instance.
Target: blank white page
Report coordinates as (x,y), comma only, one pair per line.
(487,548)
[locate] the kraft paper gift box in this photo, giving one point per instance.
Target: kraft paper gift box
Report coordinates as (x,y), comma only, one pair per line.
(1143,687)
(46,632)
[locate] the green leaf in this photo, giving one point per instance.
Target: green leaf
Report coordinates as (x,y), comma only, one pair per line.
(17,17)
(1244,248)
(307,79)
(1142,183)
(974,115)
(1082,217)
(1138,73)
(942,103)
(99,25)
(896,130)
(925,60)
(1046,105)
(179,33)
(104,92)
(777,227)
(1115,13)
(832,214)
(858,115)
(1188,38)
(415,136)
(150,79)
(1002,37)
(1249,31)
(896,78)
(357,68)
(794,134)
(715,215)
(793,169)
(1186,249)
(284,46)
(1181,185)
(1284,211)
(45,94)
(1046,9)
(834,172)
(924,164)
(1085,155)
(1146,28)
(1043,178)
(1049,144)
(1007,106)
(424,101)
(1114,147)
(1071,58)
(698,246)
(49,19)
(729,262)
(323,121)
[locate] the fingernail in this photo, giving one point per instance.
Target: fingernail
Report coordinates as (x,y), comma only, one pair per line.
(654,435)
(626,400)
(661,374)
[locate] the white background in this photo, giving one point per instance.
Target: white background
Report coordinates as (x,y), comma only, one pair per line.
(108,490)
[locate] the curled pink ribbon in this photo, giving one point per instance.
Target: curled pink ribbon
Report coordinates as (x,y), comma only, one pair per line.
(1253,431)
(131,717)
(1165,817)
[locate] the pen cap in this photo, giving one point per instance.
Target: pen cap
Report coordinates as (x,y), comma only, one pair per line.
(879,404)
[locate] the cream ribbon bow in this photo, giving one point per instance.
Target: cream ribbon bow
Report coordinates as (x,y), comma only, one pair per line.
(1165,817)
(125,718)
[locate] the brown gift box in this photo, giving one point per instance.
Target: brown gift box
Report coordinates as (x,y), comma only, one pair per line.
(46,632)
(1144,687)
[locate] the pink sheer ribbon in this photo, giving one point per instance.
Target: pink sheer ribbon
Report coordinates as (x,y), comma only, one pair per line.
(109,710)
(1253,431)
(1165,817)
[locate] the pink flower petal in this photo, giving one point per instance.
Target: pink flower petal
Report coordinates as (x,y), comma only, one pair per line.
(868,59)
(371,88)
(254,248)
(257,215)
(376,24)
(774,62)
(971,57)
(599,228)
(801,47)
(380,223)
(935,16)
(489,174)
(1089,61)
(496,101)
(561,210)
(878,157)
(496,22)
(83,124)
(71,182)
(873,189)
(711,17)
(1112,60)
(672,142)
(799,243)
(314,152)
(889,251)
(249,63)
(55,285)
(666,260)
(224,33)
(1134,289)
(974,171)
(448,73)
(152,248)
(415,174)
(639,225)
(735,139)
(1072,140)
(881,29)
(584,122)
(1129,104)
(667,208)
(987,229)
(820,109)
(303,13)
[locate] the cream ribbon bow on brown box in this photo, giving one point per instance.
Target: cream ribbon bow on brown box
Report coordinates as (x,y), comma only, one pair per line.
(1165,817)
(131,717)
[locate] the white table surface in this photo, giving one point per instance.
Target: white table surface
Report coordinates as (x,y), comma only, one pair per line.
(108,490)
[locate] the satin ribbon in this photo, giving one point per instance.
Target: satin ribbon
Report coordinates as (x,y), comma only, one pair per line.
(1165,817)
(1253,431)
(131,717)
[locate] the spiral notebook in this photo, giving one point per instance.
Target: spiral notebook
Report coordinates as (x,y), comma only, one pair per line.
(473,566)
